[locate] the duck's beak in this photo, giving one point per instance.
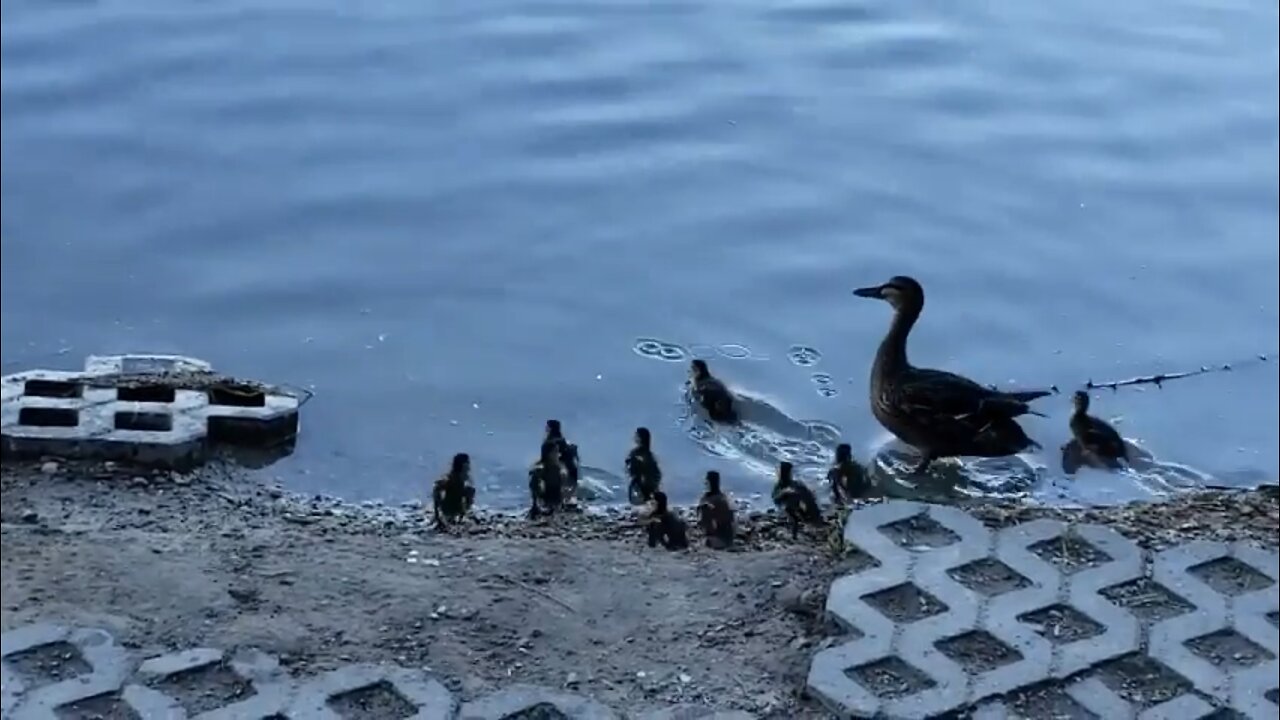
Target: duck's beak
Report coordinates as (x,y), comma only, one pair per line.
(869,292)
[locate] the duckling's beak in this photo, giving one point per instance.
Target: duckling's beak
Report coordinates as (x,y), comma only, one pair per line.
(869,292)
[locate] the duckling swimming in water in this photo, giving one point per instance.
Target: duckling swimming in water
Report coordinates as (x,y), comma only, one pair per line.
(568,456)
(795,499)
(715,514)
(453,494)
(642,468)
(847,478)
(940,414)
(665,526)
(711,394)
(1094,442)
(546,482)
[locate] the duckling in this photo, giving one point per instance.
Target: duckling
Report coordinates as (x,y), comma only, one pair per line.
(546,482)
(665,526)
(711,394)
(847,478)
(715,514)
(568,456)
(642,467)
(453,494)
(940,414)
(795,499)
(1094,441)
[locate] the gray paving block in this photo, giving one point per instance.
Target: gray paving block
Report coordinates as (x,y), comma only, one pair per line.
(273,691)
(518,698)
(430,698)
(61,413)
(110,667)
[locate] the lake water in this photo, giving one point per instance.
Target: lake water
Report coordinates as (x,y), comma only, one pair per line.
(454,220)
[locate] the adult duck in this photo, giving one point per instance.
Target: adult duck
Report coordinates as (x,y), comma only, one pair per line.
(940,414)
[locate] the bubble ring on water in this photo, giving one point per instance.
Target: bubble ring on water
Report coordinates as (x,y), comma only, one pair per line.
(659,350)
(734,351)
(804,355)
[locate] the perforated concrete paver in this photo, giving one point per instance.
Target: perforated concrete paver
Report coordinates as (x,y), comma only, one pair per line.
(1064,571)
(257,688)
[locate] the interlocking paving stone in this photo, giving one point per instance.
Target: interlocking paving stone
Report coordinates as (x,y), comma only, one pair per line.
(991,587)
(119,685)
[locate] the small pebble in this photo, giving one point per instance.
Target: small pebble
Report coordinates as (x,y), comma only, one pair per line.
(49,468)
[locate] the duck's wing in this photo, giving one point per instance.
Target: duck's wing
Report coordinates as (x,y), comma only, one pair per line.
(1101,437)
(940,393)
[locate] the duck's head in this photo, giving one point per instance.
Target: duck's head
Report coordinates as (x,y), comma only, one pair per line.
(553,429)
(784,472)
(1080,401)
(713,481)
(642,437)
(844,452)
(699,370)
(461,464)
(900,292)
(660,501)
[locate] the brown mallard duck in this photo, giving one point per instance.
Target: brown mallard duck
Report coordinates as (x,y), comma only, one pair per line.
(941,414)
(1093,441)
(795,499)
(711,394)
(453,494)
(568,455)
(642,468)
(847,478)
(665,527)
(547,481)
(715,514)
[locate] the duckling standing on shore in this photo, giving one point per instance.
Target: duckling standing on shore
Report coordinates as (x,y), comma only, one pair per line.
(453,494)
(1094,442)
(546,482)
(940,414)
(848,479)
(795,499)
(715,514)
(568,456)
(665,527)
(642,468)
(711,394)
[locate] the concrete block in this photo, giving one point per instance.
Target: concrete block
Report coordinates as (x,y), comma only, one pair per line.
(430,699)
(523,698)
(88,414)
(109,668)
(272,690)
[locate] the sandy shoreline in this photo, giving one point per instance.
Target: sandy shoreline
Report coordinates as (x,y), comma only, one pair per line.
(167,562)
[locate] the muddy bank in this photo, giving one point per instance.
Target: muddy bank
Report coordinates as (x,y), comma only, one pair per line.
(167,562)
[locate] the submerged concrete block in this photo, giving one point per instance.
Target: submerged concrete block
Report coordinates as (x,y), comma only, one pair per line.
(152,410)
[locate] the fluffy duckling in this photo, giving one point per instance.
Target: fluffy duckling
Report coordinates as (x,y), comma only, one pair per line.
(546,482)
(665,526)
(711,394)
(642,468)
(453,494)
(715,514)
(1096,443)
(847,478)
(568,455)
(795,499)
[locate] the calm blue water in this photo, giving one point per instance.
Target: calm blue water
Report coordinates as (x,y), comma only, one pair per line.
(454,220)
